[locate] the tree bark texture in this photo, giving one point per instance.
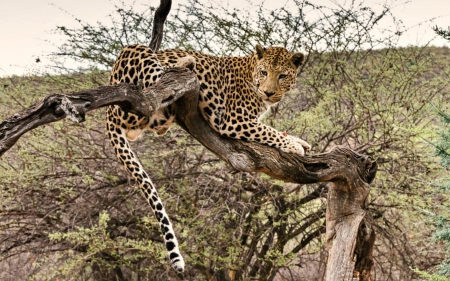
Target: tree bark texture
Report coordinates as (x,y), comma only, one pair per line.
(174,83)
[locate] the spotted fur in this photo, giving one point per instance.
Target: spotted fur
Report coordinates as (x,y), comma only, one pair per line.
(234,93)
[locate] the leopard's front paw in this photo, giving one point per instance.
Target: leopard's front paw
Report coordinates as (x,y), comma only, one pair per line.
(296,145)
(188,62)
(306,146)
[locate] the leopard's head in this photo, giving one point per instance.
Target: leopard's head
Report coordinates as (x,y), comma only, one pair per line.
(275,72)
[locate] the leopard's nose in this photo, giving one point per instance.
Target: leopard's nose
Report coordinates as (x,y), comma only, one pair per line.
(269,94)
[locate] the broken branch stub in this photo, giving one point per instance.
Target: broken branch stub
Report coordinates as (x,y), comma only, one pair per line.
(158,24)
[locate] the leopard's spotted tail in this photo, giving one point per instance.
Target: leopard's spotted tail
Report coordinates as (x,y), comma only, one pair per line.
(117,135)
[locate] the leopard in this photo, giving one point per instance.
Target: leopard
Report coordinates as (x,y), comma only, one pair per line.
(235,93)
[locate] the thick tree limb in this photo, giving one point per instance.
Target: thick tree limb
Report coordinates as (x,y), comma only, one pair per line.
(350,234)
(255,157)
(173,84)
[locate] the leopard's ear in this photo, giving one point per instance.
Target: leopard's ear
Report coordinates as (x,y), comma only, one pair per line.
(297,59)
(260,51)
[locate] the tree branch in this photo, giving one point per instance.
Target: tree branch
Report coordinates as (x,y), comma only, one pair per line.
(158,24)
(174,83)
(349,227)
(337,165)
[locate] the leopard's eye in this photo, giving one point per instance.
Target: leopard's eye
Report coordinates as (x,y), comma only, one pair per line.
(263,73)
(282,76)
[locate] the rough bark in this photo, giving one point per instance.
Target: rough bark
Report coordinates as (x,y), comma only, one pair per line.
(349,232)
(174,83)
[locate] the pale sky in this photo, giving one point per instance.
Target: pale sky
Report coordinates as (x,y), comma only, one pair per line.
(27,26)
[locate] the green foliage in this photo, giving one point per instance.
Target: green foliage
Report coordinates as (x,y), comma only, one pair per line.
(98,244)
(441,216)
(376,103)
(442,32)
(443,143)
(442,222)
(431,277)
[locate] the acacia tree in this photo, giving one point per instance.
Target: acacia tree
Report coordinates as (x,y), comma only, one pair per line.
(277,229)
(439,215)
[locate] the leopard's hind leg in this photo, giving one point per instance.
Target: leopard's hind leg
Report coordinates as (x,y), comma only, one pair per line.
(117,132)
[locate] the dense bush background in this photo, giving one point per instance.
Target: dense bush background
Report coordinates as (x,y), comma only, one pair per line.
(69,211)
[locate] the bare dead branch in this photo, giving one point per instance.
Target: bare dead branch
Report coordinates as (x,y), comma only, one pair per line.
(174,83)
(348,224)
(158,24)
